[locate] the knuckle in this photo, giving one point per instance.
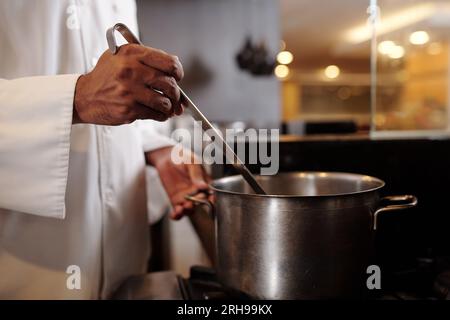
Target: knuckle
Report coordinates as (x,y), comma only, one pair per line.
(125,72)
(172,88)
(175,66)
(128,48)
(125,49)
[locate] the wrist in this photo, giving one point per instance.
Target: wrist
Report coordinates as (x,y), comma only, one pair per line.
(157,157)
(78,100)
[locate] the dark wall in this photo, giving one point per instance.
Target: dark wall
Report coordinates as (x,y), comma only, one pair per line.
(206,35)
(419,167)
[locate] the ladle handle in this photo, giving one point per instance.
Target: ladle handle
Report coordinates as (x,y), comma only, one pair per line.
(195,112)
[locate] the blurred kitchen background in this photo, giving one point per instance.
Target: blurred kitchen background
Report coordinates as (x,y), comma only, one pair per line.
(332,75)
(331,46)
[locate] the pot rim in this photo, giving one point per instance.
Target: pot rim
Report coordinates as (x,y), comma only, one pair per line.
(320,174)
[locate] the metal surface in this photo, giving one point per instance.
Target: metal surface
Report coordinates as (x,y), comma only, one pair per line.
(230,155)
(310,238)
(152,286)
(395,203)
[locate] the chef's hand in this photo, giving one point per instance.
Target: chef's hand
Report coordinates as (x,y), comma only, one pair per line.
(119,89)
(179,180)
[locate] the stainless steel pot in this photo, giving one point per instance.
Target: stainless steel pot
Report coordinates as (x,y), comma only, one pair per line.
(311,237)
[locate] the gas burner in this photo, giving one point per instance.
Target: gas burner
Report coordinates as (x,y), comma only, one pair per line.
(202,284)
(441,286)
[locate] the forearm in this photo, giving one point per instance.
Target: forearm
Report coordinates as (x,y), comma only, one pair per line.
(153,158)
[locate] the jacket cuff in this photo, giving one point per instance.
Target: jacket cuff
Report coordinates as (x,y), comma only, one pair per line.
(36,123)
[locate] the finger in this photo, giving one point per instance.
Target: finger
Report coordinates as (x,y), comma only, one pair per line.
(183,212)
(177,212)
(179,197)
(154,100)
(201,195)
(148,75)
(168,86)
(162,61)
(179,109)
(184,103)
(188,205)
(163,84)
(144,112)
(212,198)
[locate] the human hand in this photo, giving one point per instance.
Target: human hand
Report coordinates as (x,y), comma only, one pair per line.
(179,180)
(121,87)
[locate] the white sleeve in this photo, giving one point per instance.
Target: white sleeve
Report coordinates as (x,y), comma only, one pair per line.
(35,123)
(152,139)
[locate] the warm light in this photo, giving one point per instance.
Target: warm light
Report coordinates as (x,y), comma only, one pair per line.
(419,38)
(390,49)
(285,57)
(282,45)
(434,48)
(396,21)
(332,72)
(385,47)
(396,52)
(344,93)
(281,71)
(380,120)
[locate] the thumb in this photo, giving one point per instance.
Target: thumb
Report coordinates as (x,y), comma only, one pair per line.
(196,175)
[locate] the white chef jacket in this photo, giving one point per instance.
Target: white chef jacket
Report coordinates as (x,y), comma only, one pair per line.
(69,194)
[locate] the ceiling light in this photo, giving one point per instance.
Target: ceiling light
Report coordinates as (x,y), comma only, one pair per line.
(285,57)
(332,72)
(385,47)
(419,38)
(281,71)
(396,52)
(396,21)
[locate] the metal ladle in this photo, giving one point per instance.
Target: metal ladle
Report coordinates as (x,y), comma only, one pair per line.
(230,155)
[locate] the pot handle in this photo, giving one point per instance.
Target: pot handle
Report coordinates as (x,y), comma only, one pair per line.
(205,202)
(394,203)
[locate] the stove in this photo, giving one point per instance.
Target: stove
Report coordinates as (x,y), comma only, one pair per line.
(420,283)
(202,284)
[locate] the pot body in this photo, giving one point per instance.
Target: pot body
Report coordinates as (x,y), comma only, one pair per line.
(310,238)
